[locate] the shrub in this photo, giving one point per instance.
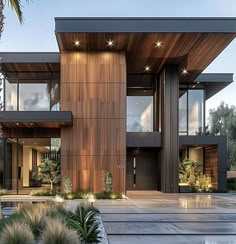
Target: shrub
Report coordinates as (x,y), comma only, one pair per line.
(42,192)
(57,233)
(34,218)
(231,184)
(17,234)
(67,183)
(85,222)
(107,178)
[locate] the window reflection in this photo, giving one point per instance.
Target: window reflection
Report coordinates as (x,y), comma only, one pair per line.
(183,113)
(34,97)
(11,95)
(195,111)
(140,113)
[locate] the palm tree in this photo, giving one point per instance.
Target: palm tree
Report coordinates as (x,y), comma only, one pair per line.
(16,7)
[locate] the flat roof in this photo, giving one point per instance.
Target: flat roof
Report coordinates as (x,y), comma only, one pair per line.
(146,24)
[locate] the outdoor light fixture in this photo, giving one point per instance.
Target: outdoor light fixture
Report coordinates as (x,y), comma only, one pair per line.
(198,82)
(158,44)
(91,199)
(17,124)
(110,43)
(184,72)
(77,43)
(147,68)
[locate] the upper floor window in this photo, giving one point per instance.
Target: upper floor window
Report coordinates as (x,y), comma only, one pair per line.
(24,93)
(139,113)
(191,112)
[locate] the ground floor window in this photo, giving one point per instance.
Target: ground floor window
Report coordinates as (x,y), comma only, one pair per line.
(20,160)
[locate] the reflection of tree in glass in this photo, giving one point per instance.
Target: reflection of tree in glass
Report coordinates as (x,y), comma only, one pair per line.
(53,90)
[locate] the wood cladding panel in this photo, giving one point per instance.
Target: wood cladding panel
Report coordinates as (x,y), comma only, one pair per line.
(93,87)
(211,164)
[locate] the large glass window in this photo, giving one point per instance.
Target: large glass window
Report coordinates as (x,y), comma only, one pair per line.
(34,96)
(183,113)
(139,113)
(191,112)
(22,156)
(195,111)
(10,95)
(32,92)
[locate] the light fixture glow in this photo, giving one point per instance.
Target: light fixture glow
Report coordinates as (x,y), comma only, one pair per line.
(147,68)
(17,123)
(184,72)
(198,82)
(110,43)
(158,44)
(77,43)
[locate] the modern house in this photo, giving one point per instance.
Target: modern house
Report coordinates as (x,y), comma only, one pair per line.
(125,95)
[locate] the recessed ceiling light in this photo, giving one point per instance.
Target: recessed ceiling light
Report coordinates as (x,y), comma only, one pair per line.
(198,82)
(158,44)
(194,86)
(23,142)
(110,43)
(17,124)
(184,72)
(77,43)
(147,68)
(35,143)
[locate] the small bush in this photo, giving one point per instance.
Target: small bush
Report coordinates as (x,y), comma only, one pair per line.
(34,218)
(231,184)
(42,193)
(17,234)
(109,195)
(67,183)
(57,233)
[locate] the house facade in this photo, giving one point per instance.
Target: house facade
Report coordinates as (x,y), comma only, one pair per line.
(125,95)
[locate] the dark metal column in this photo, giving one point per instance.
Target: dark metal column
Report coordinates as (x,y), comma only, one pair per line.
(169,98)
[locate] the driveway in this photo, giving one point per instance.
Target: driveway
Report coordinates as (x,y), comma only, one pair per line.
(152,217)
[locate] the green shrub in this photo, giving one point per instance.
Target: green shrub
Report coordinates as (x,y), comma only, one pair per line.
(231,184)
(17,234)
(109,195)
(67,183)
(42,192)
(57,233)
(86,224)
(107,179)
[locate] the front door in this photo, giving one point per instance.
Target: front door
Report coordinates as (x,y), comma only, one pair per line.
(141,169)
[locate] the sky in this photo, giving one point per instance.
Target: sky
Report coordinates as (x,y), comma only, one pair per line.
(37,32)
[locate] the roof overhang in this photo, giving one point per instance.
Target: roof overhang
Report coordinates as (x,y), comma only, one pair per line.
(214,82)
(191,43)
(32,119)
(30,61)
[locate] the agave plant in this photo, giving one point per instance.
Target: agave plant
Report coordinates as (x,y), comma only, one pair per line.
(56,232)
(86,223)
(17,234)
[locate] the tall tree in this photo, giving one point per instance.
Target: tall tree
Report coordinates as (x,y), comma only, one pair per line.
(222,121)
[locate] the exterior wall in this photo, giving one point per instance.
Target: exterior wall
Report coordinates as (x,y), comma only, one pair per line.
(93,87)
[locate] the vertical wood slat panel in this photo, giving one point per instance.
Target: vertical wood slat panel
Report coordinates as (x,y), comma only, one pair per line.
(93,87)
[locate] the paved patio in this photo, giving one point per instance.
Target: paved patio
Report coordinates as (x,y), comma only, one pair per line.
(152,217)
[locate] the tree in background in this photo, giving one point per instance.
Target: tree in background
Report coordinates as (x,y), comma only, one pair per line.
(222,121)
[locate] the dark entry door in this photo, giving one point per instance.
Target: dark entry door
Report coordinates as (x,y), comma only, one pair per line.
(141,169)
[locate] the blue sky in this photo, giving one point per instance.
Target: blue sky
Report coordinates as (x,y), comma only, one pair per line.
(37,32)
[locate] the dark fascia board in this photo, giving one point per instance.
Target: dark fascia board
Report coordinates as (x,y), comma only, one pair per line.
(146,24)
(201,140)
(30,57)
(215,77)
(36,116)
(214,82)
(143,139)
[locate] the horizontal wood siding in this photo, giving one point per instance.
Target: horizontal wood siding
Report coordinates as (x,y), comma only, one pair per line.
(93,87)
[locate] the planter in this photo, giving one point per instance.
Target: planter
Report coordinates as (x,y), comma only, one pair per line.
(185,188)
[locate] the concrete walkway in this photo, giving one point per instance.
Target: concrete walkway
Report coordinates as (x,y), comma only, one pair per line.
(152,217)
